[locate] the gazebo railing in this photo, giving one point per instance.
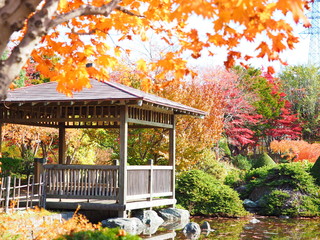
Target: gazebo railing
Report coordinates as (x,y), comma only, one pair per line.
(149,182)
(81,181)
(102,182)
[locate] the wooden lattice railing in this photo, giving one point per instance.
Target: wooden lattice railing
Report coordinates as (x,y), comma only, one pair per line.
(17,193)
(101,182)
(149,182)
(81,181)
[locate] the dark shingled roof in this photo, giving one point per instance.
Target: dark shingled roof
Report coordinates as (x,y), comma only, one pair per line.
(100,91)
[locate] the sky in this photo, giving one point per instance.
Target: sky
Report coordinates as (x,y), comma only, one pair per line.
(297,56)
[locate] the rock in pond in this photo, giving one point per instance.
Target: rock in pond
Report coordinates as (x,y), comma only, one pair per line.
(247,203)
(151,220)
(131,225)
(254,220)
(192,230)
(205,226)
(174,218)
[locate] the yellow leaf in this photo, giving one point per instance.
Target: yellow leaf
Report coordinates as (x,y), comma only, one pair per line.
(63,4)
(141,65)
(88,50)
(117,51)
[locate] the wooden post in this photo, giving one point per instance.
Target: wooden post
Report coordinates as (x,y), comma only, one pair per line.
(172,153)
(38,168)
(62,143)
(151,181)
(1,125)
(123,159)
(7,200)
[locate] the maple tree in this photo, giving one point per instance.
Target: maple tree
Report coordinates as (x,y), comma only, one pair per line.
(53,33)
(264,92)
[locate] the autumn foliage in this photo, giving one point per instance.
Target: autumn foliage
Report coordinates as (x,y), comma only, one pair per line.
(39,224)
(63,36)
(29,140)
(296,150)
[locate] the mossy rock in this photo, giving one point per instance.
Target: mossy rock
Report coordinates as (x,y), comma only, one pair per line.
(262,160)
(284,189)
(315,171)
(290,203)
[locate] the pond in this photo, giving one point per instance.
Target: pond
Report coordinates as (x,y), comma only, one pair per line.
(266,228)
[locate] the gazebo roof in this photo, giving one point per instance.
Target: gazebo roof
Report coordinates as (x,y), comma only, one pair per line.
(100,91)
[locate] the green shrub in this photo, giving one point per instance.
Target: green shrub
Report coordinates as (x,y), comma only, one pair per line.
(315,171)
(11,166)
(217,169)
(102,234)
(223,145)
(242,162)
(200,193)
(262,160)
(281,202)
(234,178)
(275,202)
(284,189)
(286,175)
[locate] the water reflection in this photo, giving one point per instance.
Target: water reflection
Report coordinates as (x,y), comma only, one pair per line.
(267,228)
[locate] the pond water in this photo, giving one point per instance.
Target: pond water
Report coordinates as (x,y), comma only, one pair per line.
(267,228)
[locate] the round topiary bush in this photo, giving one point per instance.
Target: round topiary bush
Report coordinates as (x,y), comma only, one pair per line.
(262,160)
(200,193)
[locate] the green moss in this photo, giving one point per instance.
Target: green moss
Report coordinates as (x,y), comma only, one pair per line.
(200,193)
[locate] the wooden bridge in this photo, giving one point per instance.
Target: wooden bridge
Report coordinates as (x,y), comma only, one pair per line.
(104,105)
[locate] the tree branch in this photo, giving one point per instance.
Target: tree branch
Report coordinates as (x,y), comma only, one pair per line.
(38,26)
(12,16)
(87,10)
(126,11)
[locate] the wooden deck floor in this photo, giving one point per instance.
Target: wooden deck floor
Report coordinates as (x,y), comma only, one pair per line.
(94,204)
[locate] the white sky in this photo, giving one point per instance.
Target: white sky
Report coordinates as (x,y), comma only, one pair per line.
(297,56)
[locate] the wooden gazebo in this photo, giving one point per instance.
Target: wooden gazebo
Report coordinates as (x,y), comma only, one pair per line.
(104,105)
